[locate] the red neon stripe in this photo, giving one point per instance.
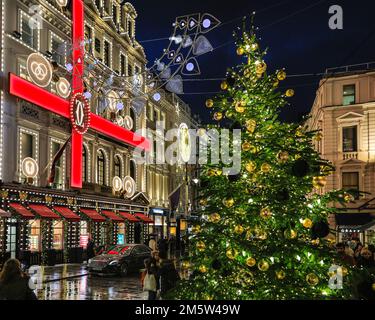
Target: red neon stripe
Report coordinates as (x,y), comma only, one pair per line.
(76,160)
(78,48)
(28,91)
(114,131)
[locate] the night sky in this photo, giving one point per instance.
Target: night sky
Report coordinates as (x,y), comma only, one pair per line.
(296,33)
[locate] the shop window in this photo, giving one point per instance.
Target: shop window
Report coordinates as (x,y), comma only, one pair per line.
(121,233)
(118,171)
(101,168)
(29,35)
(348,94)
(349,139)
(35,241)
(58,235)
(350,181)
(84,234)
(11,235)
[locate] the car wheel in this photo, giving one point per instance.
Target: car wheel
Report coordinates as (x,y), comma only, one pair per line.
(124,270)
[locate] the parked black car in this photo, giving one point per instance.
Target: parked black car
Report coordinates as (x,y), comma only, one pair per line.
(120,259)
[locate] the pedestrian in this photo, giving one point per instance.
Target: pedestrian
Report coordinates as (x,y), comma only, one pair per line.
(344,254)
(90,249)
(182,247)
(167,275)
(366,259)
(163,246)
(149,279)
(152,244)
(14,284)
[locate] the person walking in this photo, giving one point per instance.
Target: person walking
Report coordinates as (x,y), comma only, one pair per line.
(14,284)
(167,275)
(344,256)
(366,259)
(152,244)
(149,279)
(163,246)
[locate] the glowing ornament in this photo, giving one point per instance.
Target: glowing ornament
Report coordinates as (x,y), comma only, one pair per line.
(209,103)
(280,275)
(240,51)
(247,73)
(238,229)
(246,146)
(265,168)
(250,167)
(265,213)
(203,202)
(224,85)
(196,229)
(260,66)
(263,265)
(289,93)
(228,202)
(312,279)
(251,125)
(185,265)
(215,218)
(218,116)
(250,262)
(239,107)
(281,75)
(373,286)
(202,269)
(276,83)
(319,182)
(232,254)
(290,234)
(283,156)
(307,223)
(201,246)
(254,47)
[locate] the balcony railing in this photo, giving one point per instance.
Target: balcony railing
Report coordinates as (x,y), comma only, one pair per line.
(350,155)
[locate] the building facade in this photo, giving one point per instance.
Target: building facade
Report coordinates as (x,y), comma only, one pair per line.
(344,112)
(50,221)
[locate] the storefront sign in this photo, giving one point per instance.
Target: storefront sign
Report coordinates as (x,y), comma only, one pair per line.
(39,70)
(129,187)
(29,168)
(117,184)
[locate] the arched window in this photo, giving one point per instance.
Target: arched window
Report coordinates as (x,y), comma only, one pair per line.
(133,170)
(84,164)
(118,171)
(134,118)
(101,168)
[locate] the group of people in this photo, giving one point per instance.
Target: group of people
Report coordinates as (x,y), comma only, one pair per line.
(160,274)
(354,253)
(170,245)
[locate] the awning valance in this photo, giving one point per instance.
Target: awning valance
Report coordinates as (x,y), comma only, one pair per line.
(129,217)
(67,213)
(44,212)
(113,216)
(93,215)
(4,214)
(144,218)
(22,211)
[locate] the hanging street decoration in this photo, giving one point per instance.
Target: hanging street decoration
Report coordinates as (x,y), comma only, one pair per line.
(184,143)
(41,73)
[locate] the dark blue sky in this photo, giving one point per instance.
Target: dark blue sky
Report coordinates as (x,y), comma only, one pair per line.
(298,39)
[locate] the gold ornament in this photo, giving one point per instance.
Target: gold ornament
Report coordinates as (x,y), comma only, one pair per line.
(209,103)
(307,223)
(265,168)
(239,107)
(280,275)
(229,114)
(185,265)
(201,246)
(344,271)
(281,75)
(232,254)
(247,73)
(283,156)
(276,83)
(215,218)
(203,202)
(290,234)
(250,262)
(348,198)
(228,202)
(265,213)
(260,66)
(196,229)
(263,265)
(211,172)
(208,297)
(246,146)
(251,166)
(254,47)
(224,85)
(319,182)
(373,286)
(218,116)
(240,51)
(312,279)
(250,125)
(238,229)
(289,93)
(203,268)
(315,242)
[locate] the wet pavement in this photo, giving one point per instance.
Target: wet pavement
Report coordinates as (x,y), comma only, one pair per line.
(72,282)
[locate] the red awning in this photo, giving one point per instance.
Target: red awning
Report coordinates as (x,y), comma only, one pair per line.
(67,214)
(129,217)
(93,215)
(44,211)
(113,216)
(21,210)
(144,218)
(4,214)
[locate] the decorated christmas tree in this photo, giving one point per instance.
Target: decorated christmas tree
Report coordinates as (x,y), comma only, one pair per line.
(263,232)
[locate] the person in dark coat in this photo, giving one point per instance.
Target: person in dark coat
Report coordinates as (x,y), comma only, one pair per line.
(167,274)
(14,284)
(163,246)
(90,249)
(366,259)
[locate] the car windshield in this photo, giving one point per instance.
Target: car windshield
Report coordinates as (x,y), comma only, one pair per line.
(117,250)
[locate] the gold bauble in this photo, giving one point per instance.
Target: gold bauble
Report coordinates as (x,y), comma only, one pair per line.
(224,85)
(312,279)
(307,223)
(265,168)
(254,47)
(276,83)
(250,166)
(247,73)
(260,66)
(319,182)
(265,213)
(251,125)
(289,93)
(208,297)
(344,271)
(348,197)
(261,235)
(238,229)
(218,116)
(250,262)
(211,172)
(281,75)
(228,202)
(209,103)
(240,51)
(215,218)
(246,146)
(373,286)
(202,268)
(232,254)
(203,202)
(263,265)
(280,275)
(196,229)
(315,242)
(201,246)
(283,156)
(239,107)
(290,234)
(185,265)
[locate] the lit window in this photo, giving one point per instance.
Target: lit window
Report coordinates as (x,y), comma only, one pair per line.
(34,238)
(57,48)
(29,35)
(118,172)
(84,165)
(350,182)
(349,95)
(349,139)
(58,235)
(101,168)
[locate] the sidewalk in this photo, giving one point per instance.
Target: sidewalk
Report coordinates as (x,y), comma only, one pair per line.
(62,272)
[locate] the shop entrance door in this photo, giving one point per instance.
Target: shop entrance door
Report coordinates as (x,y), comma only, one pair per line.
(12,236)
(137,233)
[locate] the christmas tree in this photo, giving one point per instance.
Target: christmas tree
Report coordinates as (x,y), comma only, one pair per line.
(263,232)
